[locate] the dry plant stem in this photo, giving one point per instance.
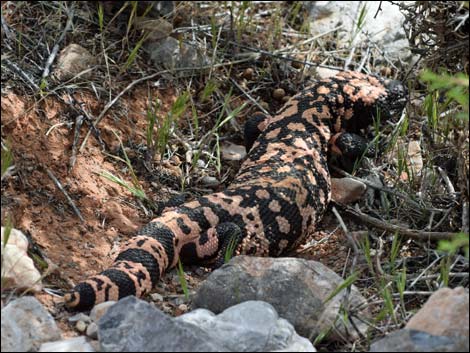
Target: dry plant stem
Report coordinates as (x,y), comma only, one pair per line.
(249,97)
(78,125)
(465,220)
(431,265)
(448,183)
(436,276)
(69,199)
(345,299)
(55,49)
(403,196)
(350,239)
(149,77)
(10,36)
(391,228)
(20,72)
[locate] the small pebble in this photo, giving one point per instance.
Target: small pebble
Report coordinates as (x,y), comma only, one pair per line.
(92,331)
(156,297)
(201,163)
(279,93)
(248,73)
(81,326)
(79,317)
(209,181)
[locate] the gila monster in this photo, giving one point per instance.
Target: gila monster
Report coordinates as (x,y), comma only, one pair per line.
(275,200)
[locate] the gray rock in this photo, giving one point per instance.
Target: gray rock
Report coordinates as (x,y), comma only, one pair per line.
(252,326)
(296,288)
(92,331)
(133,325)
(26,325)
(233,152)
(77,344)
(79,317)
(170,54)
(416,341)
(209,181)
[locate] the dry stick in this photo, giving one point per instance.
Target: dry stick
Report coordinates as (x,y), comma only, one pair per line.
(277,56)
(6,29)
(401,195)
(78,124)
(149,77)
(20,72)
(378,10)
(465,220)
(411,233)
(55,49)
(249,97)
(312,39)
(345,299)
(69,199)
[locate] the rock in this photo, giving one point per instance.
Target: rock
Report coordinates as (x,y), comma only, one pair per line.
(16,238)
(155,29)
(446,313)
(156,297)
(296,288)
(233,152)
(346,190)
(279,93)
(248,73)
(133,325)
(248,327)
(385,30)
(92,331)
(79,317)
(77,344)
(99,310)
(210,181)
(252,326)
(416,341)
(322,72)
(410,152)
(81,326)
(18,270)
(72,60)
(172,54)
(26,325)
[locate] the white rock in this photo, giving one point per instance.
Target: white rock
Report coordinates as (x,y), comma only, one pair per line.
(385,29)
(18,269)
(77,344)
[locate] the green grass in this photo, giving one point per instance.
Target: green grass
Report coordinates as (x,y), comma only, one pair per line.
(345,284)
(182,279)
(134,188)
(8,226)
(232,246)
